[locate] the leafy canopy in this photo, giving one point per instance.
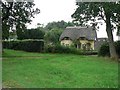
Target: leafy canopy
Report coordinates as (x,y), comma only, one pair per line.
(17,14)
(95,11)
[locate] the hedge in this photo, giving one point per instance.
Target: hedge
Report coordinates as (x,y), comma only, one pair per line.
(25,45)
(64,49)
(57,49)
(104,49)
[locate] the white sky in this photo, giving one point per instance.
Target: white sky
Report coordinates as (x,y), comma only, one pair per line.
(57,10)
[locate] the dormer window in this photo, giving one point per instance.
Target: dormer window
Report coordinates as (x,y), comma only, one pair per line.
(66,38)
(82,38)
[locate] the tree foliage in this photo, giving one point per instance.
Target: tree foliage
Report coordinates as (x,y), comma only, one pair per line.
(93,11)
(52,36)
(60,24)
(17,14)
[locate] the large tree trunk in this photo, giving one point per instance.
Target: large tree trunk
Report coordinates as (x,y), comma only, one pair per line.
(112,49)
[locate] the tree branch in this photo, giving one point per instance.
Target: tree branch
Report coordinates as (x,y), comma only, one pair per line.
(101,15)
(7,10)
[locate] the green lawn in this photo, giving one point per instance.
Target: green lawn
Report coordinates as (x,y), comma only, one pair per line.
(36,70)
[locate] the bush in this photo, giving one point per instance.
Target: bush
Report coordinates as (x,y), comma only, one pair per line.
(60,49)
(117,45)
(55,49)
(89,53)
(64,49)
(25,45)
(104,49)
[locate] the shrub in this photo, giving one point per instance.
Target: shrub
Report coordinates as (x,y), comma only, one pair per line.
(60,49)
(64,49)
(89,53)
(25,45)
(117,45)
(104,49)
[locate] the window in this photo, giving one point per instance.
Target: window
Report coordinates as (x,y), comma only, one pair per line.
(82,38)
(67,44)
(66,38)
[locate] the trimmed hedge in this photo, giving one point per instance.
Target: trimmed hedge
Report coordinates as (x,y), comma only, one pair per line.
(104,49)
(25,45)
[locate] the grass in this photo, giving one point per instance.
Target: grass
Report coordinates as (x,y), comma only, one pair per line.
(36,70)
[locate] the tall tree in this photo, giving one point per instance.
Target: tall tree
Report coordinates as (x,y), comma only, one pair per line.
(16,14)
(95,11)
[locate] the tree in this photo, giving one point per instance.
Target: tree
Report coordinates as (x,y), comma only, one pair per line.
(60,24)
(95,11)
(16,14)
(52,36)
(118,32)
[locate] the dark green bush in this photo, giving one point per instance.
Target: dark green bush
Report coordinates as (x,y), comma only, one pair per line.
(117,45)
(25,45)
(104,49)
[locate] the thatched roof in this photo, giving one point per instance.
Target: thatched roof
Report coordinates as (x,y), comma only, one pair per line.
(76,32)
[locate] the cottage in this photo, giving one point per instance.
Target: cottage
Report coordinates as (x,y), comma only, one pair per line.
(80,37)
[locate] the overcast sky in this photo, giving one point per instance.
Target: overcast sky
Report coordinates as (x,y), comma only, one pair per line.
(57,10)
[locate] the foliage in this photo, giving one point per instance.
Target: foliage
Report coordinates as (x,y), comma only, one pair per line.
(25,45)
(117,45)
(45,70)
(53,36)
(60,49)
(104,49)
(60,24)
(88,11)
(63,49)
(31,34)
(17,14)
